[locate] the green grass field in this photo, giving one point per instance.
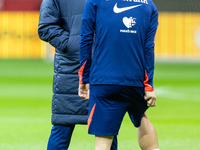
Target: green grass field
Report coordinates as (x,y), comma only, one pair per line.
(25,108)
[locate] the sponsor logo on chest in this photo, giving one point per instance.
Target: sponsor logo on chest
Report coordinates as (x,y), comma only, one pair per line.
(140,1)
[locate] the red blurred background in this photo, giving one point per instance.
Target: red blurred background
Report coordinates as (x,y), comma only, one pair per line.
(20,5)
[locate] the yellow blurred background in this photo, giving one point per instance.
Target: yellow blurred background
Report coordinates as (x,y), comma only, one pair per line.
(178,36)
(18,35)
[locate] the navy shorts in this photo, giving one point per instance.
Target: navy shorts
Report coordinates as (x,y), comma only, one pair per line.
(108,105)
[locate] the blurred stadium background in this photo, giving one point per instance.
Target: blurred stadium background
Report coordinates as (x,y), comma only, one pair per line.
(178,35)
(26,80)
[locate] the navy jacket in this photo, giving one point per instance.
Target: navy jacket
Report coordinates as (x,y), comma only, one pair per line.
(59,24)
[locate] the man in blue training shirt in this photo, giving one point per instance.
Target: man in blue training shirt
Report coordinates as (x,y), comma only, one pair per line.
(121,72)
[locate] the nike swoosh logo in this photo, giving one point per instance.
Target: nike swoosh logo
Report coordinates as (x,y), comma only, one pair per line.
(119,10)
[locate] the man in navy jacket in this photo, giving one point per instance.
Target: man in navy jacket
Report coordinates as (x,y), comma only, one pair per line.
(59,25)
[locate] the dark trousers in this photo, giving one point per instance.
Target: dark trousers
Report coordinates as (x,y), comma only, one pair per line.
(61,136)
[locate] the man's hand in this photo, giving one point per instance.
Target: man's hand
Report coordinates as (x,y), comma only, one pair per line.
(150,97)
(84,91)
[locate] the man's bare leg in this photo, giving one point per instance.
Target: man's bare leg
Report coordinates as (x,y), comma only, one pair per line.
(147,136)
(103,142)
